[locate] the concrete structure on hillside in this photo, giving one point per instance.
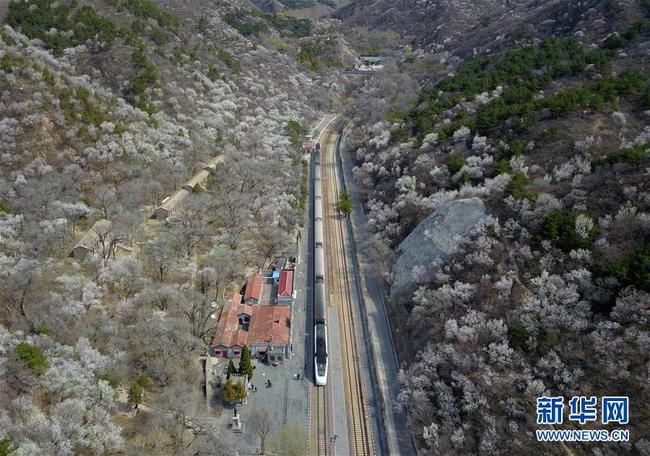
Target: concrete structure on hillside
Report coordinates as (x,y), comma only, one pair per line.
(264,329)
(371,63)
(198,182)
(171,204)
(92,239)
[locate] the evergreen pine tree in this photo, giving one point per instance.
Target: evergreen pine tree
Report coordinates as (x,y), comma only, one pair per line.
(231,369)
(245,364)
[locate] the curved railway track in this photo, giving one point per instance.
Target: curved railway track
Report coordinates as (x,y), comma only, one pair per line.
(337,280)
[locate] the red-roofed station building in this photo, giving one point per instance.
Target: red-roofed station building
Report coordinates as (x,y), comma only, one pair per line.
(265,329)
(285,288)
(253,292)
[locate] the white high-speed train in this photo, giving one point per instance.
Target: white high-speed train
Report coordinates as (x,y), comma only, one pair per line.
(318,246)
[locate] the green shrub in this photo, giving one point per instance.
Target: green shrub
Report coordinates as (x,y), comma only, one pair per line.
(88,25)
(36,22)
(231,62)
(631,269)
(145,76)
(295,132)
(135,395)
(614,41)
(523,71)
(203,23)
(399,135)
(559,227)
(455,163)
(32,356)
(307,54)
(518,187)
(7,448)
(158,35)
(213,74)
(113,381)
(501,166)
(634,30)
(10,61)
(345,204)
(119,128)
(613,6)
(147,8)
(245,24)
(633,155)
(289,25)
(294,4)
(254,23)
(142,380)
(518,336)
(301,195)
(43,329)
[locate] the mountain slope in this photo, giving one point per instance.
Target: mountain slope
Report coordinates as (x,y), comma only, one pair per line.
(545,297)
(462,27)
(106,109)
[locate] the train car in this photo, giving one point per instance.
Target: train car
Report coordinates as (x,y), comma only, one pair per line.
(318,193)
(319,264)
(318,234)
(320,336)
(318,210)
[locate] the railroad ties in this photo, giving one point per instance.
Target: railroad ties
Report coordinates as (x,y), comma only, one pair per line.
(359,428)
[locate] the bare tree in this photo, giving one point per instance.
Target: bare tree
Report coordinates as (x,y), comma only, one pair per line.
(198,309)
(190,223)
(227,265)
(105,198)
(261,423)
(160,255)
(20,285)
(234,216)
(108,238)
(270,242)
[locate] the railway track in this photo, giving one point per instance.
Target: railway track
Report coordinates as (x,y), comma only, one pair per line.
(359,429)
(319,436)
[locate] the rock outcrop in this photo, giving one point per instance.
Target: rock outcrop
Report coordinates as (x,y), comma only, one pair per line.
(433,240)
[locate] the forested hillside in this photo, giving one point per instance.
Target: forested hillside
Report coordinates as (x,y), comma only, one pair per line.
(550,295)
(106,109)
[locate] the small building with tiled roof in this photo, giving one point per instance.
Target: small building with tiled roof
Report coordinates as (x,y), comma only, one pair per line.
(265,329)
(285,288)
(92,239)
(253,292)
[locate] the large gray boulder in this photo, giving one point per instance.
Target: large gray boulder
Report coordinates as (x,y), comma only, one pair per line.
(433,240)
